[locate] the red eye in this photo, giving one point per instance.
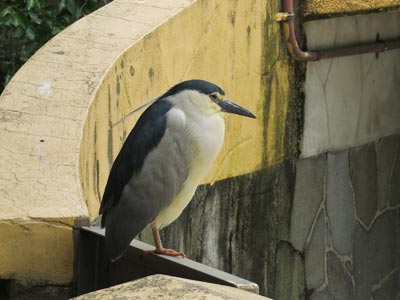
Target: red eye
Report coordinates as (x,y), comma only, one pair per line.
(214,97)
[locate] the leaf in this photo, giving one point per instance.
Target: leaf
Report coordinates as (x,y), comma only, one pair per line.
(34,17)
(30,34)
(61,5)
(55,30)
(30,4)
(19,32)
(16,21)
(71,6)
(6,10)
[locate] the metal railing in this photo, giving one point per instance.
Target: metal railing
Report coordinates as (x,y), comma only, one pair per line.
(95,272)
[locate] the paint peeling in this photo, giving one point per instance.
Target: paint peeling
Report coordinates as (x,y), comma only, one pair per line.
(45,89)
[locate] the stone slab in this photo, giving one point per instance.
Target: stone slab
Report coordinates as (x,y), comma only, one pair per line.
(364,179)
(376,254)
(388,150)
(290,282)
(315,255)
(308,196)
(339,281)
(340,201)
(170,288)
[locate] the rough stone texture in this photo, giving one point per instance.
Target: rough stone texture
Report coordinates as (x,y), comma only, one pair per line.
(14,291)
(308,195)
(376,253)
(364,178)
(233,225)
(315,254)
(340,202)
(394,182)
(290,274)
(41,250)
(339,281)
(351,100)
(322,295)
(362,262)
(388,287)
(170,288)
(387,150)
(312,8)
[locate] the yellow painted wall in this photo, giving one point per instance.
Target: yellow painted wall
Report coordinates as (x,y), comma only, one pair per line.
(57,110)
(39,251)
(235,44)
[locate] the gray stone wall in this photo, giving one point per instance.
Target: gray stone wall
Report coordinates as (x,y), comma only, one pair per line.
(233,225)
(325,227)
(345,222)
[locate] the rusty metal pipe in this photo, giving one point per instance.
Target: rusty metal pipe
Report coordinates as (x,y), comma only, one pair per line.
(287,19)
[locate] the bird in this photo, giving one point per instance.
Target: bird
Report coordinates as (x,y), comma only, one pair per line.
(165,157)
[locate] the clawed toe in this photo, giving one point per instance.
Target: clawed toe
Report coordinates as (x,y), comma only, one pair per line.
(168,252)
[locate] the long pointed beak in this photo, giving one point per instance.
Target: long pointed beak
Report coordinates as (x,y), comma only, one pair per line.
(233,108)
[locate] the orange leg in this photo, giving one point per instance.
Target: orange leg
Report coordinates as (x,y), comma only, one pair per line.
(159,247)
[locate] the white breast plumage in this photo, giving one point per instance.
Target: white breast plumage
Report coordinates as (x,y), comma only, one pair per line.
(207,134)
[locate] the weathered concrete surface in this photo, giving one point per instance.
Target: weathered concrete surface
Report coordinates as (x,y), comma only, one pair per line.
(340,202)
(364,178)
(353,100)
(315,254)
(39,249)
(308,196)
(388,152)
(339,280)
(329,7)
(56,112)
(353,251)
(234,225)
(42,113)
(170,288)
(290,274)
(376,254)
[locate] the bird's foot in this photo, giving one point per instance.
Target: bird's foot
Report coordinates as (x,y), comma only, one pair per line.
(169,252)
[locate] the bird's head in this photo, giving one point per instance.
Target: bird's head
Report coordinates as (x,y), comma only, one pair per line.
(204,96)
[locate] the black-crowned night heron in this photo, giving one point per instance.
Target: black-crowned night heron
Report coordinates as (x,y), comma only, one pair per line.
(165,157)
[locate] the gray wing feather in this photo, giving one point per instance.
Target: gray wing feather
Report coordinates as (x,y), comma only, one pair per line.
(164,171)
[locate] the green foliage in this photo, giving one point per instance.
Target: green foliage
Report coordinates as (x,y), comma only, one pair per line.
(25,25)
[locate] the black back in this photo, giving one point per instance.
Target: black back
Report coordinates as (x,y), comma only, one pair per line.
(145,136)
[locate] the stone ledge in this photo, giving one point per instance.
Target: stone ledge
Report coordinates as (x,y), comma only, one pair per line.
(39,251)
(170,288)
(327,8)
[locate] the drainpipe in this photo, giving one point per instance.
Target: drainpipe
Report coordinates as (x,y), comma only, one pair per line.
(287,19)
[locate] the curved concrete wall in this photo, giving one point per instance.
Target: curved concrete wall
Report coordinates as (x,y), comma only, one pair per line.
(56,112)
(221,41)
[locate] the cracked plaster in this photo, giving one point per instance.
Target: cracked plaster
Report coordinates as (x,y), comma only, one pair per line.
(348,102)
